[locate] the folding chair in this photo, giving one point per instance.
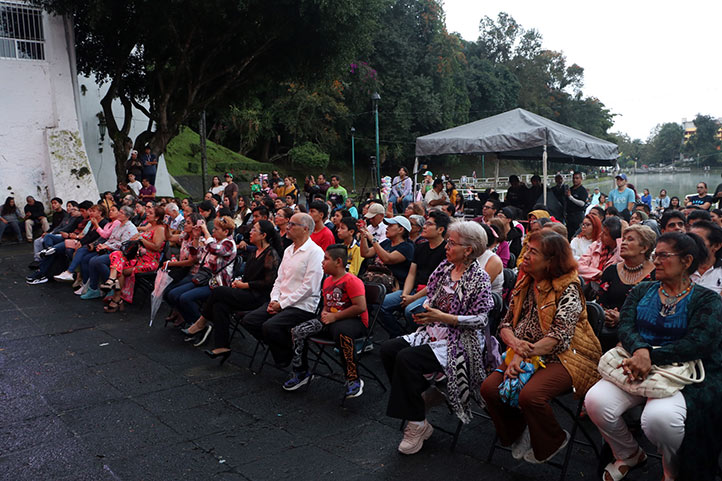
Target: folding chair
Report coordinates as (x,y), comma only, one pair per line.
(595,317)
(512,262)
(145,281)
(375,294)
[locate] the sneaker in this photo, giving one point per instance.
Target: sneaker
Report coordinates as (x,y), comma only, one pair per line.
(530,458)
(47,252)
(296,380)
(354,388)
(202,336)
(360,344)
(64,276)
(79,290)
(38,279)
(522,445)
(33,275)
(92,294)
(414,437)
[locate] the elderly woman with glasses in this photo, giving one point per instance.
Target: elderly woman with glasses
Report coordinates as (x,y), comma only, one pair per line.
(666,321)
(450,340)
(546,318)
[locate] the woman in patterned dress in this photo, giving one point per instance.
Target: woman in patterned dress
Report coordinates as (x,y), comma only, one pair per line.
(122,270)
(450,340)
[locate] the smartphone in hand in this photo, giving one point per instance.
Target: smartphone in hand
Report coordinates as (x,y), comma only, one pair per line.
(418,309)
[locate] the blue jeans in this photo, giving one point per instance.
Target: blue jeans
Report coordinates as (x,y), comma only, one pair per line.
(14,225)
(99,268)
(80,254)
(172,296)
(189,303)
(85,265)
(392,302)
(404,202)
(48,260)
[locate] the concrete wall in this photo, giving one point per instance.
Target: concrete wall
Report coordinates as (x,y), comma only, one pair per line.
(37,111)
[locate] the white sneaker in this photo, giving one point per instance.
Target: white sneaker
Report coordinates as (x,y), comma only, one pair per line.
(64,276)
(81,290)
(522,445)
(47,252)
(414,437)
(530,458)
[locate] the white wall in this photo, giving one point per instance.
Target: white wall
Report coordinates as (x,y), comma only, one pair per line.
(37,108)
(103,163)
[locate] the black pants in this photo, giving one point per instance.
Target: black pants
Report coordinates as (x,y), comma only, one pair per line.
(275,330)
(574,221)
(405,367)
(224,301)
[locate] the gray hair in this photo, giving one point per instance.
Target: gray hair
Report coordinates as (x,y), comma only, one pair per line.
(171,207)
(647,236)
(471,234)
(127,211)
(306,221)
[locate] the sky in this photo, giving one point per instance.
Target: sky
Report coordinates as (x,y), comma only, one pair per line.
(648,62)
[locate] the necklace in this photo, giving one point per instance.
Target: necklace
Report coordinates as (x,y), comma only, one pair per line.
(669,306)
(632,269)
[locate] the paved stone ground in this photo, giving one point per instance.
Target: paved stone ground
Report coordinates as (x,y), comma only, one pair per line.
(91,396)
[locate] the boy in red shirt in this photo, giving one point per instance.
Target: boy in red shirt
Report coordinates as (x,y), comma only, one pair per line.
(343,319)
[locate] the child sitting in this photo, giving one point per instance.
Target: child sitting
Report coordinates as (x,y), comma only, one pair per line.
(343,319)
(346,232)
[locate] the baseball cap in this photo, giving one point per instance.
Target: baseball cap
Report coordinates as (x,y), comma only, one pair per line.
(621,176)
(428,172)
(400,220)
(419,219)
(228,174)
(374,210)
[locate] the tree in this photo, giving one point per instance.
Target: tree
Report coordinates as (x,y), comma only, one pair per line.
(665,143)
(704,143)
(183,56)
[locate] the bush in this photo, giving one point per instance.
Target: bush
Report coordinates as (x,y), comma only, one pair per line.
(194,167)
(195,149)
(309,156)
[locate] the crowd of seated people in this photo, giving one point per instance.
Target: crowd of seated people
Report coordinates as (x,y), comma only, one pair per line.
(289,270)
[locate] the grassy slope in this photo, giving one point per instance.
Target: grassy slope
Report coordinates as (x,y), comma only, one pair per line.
(179,154)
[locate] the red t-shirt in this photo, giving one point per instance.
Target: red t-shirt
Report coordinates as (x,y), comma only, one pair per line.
(337,295)
(323,238)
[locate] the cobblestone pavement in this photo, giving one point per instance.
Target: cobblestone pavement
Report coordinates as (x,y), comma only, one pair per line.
(92,396)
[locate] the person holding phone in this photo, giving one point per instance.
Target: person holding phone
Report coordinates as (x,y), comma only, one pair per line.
(450,339)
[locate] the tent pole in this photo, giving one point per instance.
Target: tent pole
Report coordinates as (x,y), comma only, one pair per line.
(416,172)
(544,170)
(496,173)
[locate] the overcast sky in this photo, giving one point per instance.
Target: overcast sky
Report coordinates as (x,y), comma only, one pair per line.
(649,62)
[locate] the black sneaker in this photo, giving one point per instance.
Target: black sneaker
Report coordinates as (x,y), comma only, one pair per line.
(354,388)
(38,278)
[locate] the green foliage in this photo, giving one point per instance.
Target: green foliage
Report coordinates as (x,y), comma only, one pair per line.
(665,143)
(309,155)
(182,157)
(704,143)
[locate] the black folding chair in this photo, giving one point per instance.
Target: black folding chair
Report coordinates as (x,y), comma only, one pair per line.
(512,262)
(595,317)
(375,294)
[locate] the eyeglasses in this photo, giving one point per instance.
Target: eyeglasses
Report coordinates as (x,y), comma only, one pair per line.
(586,224)
(488,207)
(430,224)
(292,224)
(663,256)
(451,244)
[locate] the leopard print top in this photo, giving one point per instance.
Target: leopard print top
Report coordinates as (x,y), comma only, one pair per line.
(562,329)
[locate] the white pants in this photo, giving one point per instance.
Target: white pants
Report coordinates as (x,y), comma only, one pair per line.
(29,223)
(662,422)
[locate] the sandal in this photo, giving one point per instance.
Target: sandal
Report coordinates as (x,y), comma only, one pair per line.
(614,469)
(114,306)
(111,283)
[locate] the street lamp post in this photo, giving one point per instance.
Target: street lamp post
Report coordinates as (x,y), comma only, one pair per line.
(353,158)
(375,97)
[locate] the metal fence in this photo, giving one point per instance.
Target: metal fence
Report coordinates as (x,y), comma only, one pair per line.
(21,32)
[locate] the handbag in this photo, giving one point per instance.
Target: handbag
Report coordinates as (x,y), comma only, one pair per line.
(380,274)
(204,275)
(130,249)
(662,381)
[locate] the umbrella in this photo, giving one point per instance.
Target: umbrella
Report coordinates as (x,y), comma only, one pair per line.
(162,280)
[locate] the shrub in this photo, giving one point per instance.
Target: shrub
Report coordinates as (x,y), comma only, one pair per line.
(309,155)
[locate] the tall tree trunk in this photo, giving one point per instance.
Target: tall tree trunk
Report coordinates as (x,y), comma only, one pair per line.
(122,143)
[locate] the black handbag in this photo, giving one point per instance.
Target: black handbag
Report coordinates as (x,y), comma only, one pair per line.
(204,275)
(130,249)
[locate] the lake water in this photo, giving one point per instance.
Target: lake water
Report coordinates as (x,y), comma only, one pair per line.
(679,184)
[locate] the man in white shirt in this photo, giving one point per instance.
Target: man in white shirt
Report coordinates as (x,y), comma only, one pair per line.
(295,295)
(175,218)
(134,184)
(437,197)
(375,219)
